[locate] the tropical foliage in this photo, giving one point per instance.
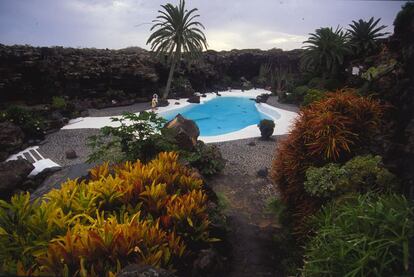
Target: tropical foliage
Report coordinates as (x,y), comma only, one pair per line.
(333,129)
(143,136)
(176,33)
(364,35)
(359,175)
(152,213)
(365,235)
(31,124)
(313,95)
(206,158)
(135,136)
(325,51)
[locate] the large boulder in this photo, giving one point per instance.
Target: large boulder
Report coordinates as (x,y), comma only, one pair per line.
(194,99)
(12,175)
(136,270)
(186,132)
(11,139)
(262,98)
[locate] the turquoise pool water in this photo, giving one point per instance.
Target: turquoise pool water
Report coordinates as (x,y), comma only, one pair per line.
(220,115)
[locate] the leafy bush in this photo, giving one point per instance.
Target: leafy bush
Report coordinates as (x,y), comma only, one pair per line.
(374,73)
(32,125)
(363,236)
(58,103)
(139,136)
(143,136)
(316,82)
(332,84)
(331,130)
(206,158)
(152,213)
(266,127)
(313,95)
(361,174)
(296,96)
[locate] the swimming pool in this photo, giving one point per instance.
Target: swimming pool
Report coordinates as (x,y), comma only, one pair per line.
(221,115)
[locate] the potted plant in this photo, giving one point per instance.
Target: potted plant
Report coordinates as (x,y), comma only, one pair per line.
(266,127)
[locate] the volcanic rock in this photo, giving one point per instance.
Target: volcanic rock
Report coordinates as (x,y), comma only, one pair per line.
(186,132)
(12,175)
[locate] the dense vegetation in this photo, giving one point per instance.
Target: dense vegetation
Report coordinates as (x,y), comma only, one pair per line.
(154,213)
(143,136)
(341,194)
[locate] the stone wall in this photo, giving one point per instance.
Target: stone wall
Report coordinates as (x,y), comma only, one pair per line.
(35,74)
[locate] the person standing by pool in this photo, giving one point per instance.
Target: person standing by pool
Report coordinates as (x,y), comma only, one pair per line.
(154,102)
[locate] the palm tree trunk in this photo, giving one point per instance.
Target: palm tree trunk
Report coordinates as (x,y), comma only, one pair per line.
(171,74)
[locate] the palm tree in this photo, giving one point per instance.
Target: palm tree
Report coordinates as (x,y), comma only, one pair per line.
(176,33)
(325,51)
(364,35)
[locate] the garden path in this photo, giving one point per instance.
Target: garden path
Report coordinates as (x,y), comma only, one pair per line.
(245,197)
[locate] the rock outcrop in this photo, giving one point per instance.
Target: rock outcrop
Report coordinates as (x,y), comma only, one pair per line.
(11,139)
(185,131)
(12,175)
(35,74)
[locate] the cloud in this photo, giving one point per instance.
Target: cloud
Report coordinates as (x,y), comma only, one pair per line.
(229,24)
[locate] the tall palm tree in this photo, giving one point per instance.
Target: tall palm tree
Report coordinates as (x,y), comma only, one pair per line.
(325,51)
(364,35)
(176,33)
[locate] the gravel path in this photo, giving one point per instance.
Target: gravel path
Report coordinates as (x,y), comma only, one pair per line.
(56,144)
(247,156)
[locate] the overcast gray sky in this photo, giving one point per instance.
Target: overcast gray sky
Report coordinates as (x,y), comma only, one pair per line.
(229,24)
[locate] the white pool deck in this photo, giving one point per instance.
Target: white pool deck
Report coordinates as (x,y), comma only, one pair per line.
(283,119)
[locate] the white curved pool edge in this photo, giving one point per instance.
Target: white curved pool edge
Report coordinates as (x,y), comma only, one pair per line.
(283,123)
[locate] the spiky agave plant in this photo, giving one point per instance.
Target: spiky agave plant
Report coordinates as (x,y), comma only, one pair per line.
(176,33)
(364,35)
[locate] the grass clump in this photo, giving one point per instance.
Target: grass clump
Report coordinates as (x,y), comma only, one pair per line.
(363,235)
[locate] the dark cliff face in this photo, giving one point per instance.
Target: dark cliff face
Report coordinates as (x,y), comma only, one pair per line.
(35,74)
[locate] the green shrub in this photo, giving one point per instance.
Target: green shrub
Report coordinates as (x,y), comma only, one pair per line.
(32,125)
(266,127)
(334,129)
(58,103)
(206,158)
(361,174)
(142,137)
(139,136)
(365,235)
(332,84)
(296,95)
(316,82)
(313,95)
